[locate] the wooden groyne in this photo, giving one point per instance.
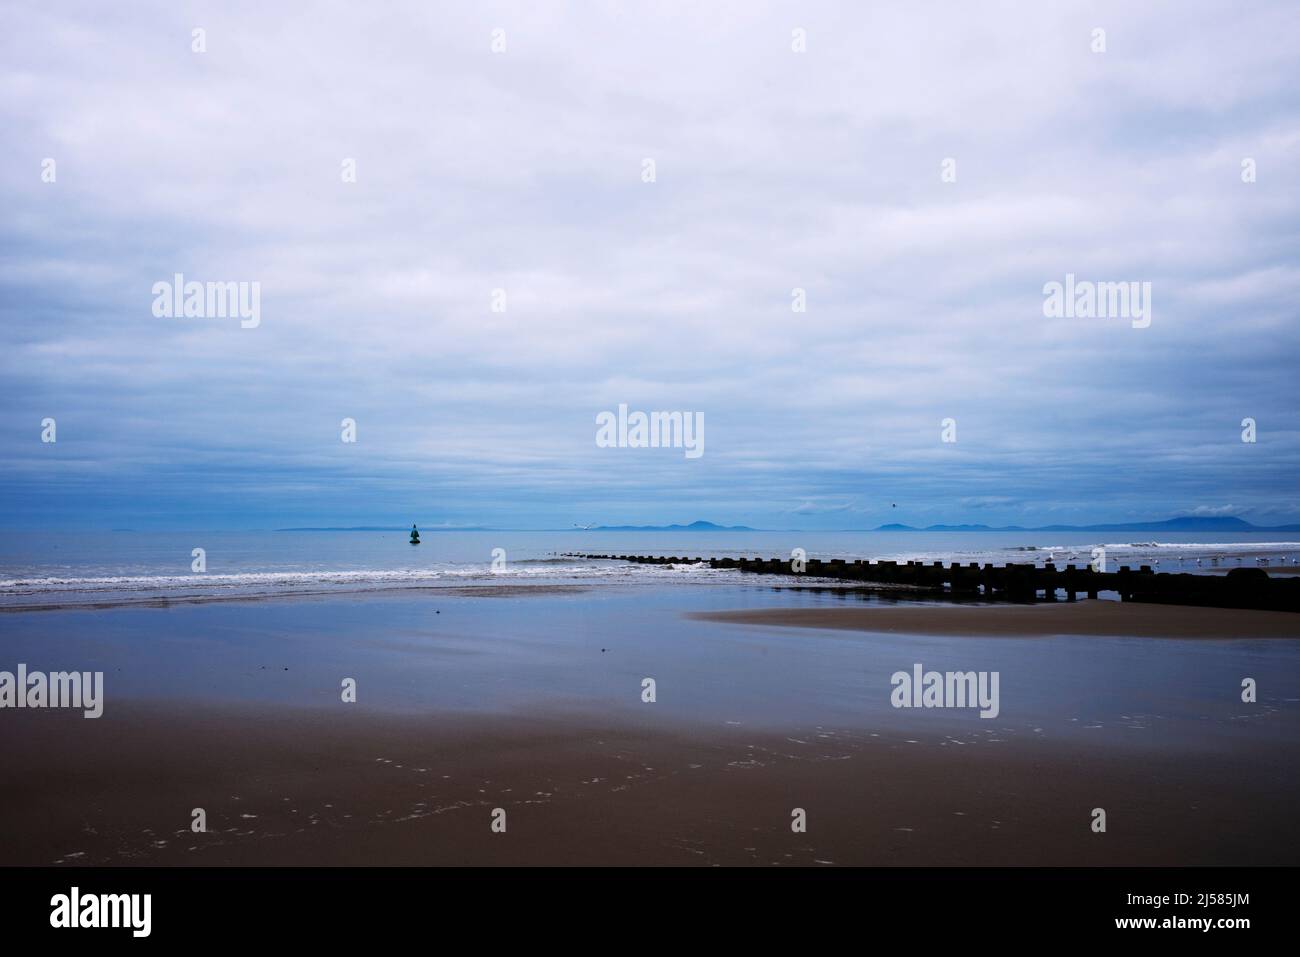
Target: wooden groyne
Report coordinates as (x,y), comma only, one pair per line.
(1239,588)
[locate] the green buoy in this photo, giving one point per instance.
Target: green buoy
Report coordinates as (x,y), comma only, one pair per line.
(415,535)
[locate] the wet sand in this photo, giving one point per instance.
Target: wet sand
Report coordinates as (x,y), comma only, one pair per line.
(342,786)
(534,706)
(1119,619)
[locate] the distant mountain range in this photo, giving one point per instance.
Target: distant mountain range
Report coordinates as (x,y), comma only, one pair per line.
(1188,523)
(693,527)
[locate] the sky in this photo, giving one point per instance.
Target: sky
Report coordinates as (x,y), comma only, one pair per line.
(523,169)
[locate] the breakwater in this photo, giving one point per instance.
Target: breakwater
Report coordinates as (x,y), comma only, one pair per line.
(1238,588)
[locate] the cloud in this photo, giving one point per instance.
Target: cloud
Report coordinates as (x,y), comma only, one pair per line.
(522,171)
(820,508)
(1218,510)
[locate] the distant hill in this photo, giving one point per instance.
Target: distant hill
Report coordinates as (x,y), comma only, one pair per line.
(693,527)
(1187,523)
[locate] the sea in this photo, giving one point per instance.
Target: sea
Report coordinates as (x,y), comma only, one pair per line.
(101,568)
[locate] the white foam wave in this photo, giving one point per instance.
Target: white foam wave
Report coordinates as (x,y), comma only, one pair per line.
(269,582)
(1226,547)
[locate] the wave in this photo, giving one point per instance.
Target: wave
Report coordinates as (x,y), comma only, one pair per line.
(19,592)
(1211,546)
(357,576)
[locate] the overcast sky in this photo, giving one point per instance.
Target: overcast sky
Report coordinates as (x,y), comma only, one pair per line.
(522,170)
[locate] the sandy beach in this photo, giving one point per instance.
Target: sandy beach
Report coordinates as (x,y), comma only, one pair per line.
(302,787)
(530,700)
